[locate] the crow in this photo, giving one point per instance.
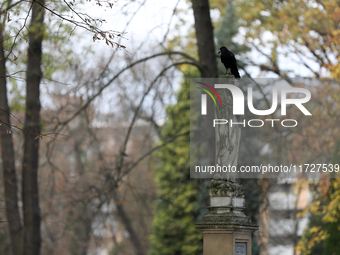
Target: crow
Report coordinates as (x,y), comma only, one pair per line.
(229,61)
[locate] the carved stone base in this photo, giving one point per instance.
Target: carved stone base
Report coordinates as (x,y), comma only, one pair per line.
(227,206)
(226,228)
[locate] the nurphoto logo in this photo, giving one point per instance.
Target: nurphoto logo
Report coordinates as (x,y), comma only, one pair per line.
(238,103)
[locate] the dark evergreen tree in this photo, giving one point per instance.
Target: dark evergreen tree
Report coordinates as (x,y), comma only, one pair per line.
(177,209)
(226,32)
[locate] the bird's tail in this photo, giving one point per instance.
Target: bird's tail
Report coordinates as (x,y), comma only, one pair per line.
(235,72)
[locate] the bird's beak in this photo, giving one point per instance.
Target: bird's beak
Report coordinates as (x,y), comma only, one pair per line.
(219,52)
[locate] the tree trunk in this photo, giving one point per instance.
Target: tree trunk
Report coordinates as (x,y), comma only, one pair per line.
(128,225)
(207,57)
(30,195)
(205,38)
(8,162)
(263,239)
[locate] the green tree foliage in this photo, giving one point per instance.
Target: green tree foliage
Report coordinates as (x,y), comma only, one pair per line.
(323,233)
(304,31)
(228,29)
(174,222)
(332,242)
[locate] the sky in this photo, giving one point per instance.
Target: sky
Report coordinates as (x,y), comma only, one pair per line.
(141,20)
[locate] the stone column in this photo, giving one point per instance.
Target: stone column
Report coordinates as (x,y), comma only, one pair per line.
(227,136)
(226,229)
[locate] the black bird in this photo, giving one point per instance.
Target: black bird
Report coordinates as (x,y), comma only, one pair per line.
(229,61)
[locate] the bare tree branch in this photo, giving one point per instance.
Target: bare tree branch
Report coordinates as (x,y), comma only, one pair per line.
(194,63)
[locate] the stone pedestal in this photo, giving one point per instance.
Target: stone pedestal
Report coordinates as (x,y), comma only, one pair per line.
(226,229)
